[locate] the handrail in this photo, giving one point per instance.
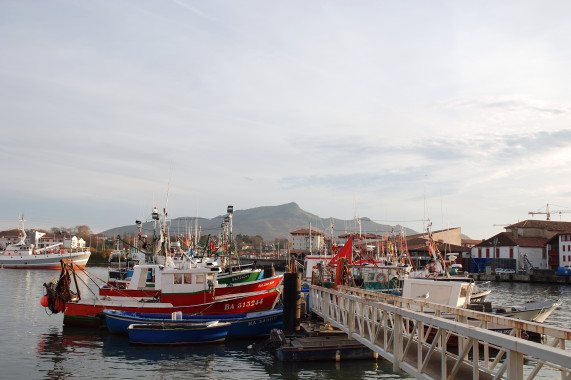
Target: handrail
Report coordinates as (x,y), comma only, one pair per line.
(390,326)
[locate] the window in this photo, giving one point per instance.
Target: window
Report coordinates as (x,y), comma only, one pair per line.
(200,279)
(487,252)
(511,252)
(187,278)
(497,252)
(177,278)
(480,252)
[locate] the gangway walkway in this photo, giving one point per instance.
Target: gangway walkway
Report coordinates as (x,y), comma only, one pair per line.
(432,341)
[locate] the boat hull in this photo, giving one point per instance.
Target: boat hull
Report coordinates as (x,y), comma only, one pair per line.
(88,312)
(180,299)
(531,311)
(177,333)
(240,276)
(241,325)
(50,261)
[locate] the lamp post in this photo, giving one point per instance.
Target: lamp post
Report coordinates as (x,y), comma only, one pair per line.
(230,211)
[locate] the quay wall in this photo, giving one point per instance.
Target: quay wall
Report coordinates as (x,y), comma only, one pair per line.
(546,278)
(277,263)
(532,278)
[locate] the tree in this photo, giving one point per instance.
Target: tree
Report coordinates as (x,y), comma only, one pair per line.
(84,232)
(61,231)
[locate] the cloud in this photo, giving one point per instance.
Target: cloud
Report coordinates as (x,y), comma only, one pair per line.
(511,105)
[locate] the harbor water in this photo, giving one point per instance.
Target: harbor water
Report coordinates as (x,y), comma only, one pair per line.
(35,345)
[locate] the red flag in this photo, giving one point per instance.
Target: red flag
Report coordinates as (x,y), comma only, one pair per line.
(346,252)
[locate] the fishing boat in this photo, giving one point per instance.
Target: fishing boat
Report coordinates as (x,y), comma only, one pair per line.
(357,266)
(26,254)
(241,325)
(534,311)
(458,294)
(154,281)
(178,333)
(217,256)
(191,292)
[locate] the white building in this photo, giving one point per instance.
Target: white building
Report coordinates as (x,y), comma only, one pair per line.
(559,252)
(520,252)
(525,242)
(301,242)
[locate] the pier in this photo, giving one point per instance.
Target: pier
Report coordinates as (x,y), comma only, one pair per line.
(432,341)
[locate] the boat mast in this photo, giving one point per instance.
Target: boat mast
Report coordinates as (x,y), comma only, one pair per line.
(23,231)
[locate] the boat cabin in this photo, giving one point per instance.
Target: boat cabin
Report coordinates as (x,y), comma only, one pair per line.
(449,293)
(172,280)
(20,249)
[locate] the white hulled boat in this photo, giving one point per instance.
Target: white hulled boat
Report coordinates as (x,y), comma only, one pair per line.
(25,255)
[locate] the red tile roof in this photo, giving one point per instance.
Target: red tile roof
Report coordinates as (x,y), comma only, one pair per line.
(363,236)
(505,239)
(305,231)
(542,224)
(535,242)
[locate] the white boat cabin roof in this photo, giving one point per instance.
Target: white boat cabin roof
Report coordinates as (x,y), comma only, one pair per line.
(450,293)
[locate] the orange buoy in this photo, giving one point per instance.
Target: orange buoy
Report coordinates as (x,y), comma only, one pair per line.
(44,301)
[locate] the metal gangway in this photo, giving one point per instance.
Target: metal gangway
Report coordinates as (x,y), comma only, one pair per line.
(432,341)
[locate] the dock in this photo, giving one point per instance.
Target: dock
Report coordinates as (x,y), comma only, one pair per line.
(538,278)
(415,336)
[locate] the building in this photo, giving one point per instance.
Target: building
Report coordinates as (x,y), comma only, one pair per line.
(538,228)
(508,252)
(451,236)
(448,242)
(521,247)
(559,252)
(469,243)
(307,240)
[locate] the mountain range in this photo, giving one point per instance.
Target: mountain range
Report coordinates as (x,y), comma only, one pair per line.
(270,222)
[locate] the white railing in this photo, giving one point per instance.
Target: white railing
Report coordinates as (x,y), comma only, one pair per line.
(432,341)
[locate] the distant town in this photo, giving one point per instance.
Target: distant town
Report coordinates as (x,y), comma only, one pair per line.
(524,247)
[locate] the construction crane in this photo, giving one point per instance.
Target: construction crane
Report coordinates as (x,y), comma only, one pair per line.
(548,212)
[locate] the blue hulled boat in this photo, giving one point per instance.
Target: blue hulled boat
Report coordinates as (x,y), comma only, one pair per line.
(178,333)
(241,325)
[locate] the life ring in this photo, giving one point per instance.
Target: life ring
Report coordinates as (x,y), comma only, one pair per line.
(381,278)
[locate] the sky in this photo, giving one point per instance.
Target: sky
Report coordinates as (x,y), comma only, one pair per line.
(456,112)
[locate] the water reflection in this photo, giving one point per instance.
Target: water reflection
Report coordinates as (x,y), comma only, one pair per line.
(354,369)
(59,349)
(36,345)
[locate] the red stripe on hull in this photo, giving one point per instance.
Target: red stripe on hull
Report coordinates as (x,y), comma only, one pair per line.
(87,313)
